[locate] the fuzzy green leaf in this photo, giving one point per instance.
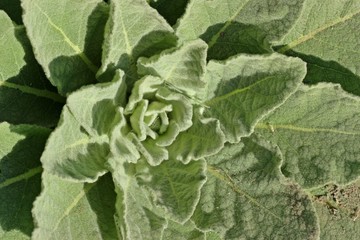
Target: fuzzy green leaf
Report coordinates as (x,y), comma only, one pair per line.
(79,146)
(327,30)
(182,68)
(134,29)
(25,94)
(246,197)
(202,139)
(273,17)
(318,132)
(66,43)
(174,186)
(137,217)
(243,89)
(20,150)
(67,210)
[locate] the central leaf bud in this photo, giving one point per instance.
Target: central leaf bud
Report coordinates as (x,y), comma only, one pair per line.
(156,115)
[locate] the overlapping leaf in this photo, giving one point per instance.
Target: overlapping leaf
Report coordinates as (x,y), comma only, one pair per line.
(25,94)
(272,17)
(136,215)
(318,131)
(20,150)
(245,88)
(246,197)
(66,43)
(80,211)
(79,147)
(182,68)
(134,29)
(327,30)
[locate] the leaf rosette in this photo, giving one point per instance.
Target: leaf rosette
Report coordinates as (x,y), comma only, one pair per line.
(152,119)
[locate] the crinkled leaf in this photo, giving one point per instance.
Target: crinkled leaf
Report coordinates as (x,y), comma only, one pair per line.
(327,30)
(79,146)
(245,88)
(25,94)
(20,150)
(67,210)
(273,17)
(66,43)
(174,186)
(203,138)
(182,68)
(134,29)
(318,131)
(137,217)
(338,210)
(246,197)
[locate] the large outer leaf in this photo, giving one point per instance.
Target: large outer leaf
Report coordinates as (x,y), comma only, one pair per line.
(245,88)
(79,146)
(67,210)
(20,150)
(274,17)
(134,29)
(67,37)
(25,94)
(246,197)
(320,32)
(318,132)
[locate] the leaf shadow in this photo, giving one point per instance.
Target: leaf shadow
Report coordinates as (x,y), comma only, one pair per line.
(102,200)
(29,108)
(149,45)
(16,198)
(319,70)
(235,38)
(69,73)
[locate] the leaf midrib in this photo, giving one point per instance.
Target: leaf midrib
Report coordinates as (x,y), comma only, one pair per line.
(216,36)
(217,173)
(34,91)
(72,45)
(311,35)
(25,176)
(291,127)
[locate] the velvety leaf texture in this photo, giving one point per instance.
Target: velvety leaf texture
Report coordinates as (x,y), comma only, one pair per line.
(179,120)
(328,30)
(81,138)
(134,29)
(245,88)
(66,44)
(246,197)
(25,94)
(82,211)
(273,17)
(20,150)
(318,132)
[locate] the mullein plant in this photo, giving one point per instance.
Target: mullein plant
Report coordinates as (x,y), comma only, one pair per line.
(235,121)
